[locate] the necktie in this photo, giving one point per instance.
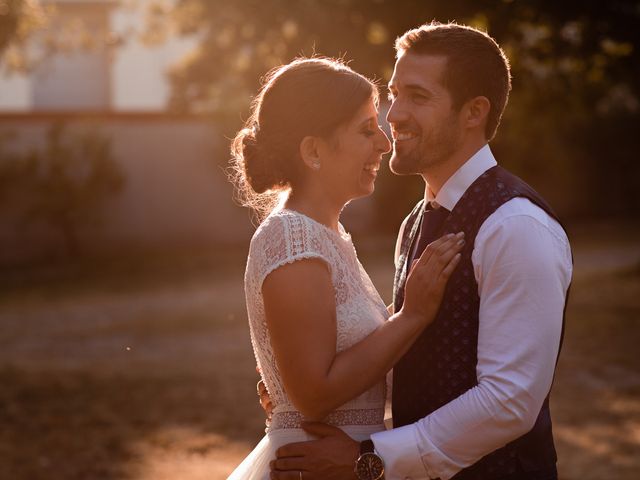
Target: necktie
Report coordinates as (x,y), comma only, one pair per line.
(430,227)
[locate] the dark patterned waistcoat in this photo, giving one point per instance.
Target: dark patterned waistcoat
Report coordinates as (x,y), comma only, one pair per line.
(441,364)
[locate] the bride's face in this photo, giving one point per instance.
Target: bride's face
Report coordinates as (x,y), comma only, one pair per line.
(352,157)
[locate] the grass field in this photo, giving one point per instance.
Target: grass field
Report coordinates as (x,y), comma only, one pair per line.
(142,368)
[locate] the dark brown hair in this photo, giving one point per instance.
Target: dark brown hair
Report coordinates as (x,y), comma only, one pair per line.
(476,65)
(307,97)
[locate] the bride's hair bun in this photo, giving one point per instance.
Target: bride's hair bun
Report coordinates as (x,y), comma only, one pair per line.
(260,169)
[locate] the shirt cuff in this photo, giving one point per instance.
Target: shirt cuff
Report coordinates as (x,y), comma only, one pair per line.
(398,448)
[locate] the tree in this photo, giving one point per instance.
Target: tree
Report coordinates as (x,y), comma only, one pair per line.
(64,185)
(31,31)
(576,68)
(18,20)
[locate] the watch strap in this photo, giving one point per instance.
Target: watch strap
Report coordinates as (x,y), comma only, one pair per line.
(366,446)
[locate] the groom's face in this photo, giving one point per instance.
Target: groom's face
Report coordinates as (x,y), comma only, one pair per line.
(426,129)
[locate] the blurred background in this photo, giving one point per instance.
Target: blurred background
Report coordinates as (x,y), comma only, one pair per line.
(124,346)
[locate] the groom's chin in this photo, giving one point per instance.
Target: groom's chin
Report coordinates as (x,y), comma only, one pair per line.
(402,164)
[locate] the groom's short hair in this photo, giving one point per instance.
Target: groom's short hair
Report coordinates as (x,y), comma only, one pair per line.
(476,65)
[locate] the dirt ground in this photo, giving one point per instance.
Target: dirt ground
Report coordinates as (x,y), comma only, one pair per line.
(142,368)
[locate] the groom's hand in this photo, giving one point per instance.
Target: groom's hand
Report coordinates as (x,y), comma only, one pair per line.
(265,400)
(332,457)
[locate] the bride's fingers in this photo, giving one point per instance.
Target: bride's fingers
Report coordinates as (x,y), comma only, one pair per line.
(449,268)
(446,252)
(434,269)
(440,281)
(451,242)
(442,253)
(437,254)
(431,249)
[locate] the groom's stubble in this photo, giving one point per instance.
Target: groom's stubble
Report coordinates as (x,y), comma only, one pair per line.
(434,149)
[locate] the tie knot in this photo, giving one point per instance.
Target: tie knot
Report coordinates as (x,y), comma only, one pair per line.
(435,207)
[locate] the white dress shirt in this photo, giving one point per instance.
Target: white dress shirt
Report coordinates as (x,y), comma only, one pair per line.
(522,264)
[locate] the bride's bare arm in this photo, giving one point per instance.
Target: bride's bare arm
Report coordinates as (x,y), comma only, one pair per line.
(301,315)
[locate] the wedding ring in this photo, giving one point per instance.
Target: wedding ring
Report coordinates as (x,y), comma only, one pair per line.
(258,386)
(300,473)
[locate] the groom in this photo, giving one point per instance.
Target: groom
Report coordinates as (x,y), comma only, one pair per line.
(471,397)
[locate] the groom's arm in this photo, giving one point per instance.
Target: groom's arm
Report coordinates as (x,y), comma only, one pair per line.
(523,267)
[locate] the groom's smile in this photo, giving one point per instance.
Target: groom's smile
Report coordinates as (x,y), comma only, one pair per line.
(405,139)
(402,136)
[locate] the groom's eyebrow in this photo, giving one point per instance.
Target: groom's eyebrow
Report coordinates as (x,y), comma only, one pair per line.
(414,87)
(419,88)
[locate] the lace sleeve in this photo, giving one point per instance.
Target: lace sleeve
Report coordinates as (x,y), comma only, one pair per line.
(281,240)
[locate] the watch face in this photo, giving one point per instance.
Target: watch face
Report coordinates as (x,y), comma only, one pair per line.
(369,467)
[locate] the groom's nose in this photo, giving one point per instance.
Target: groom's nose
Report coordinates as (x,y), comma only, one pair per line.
(396,114)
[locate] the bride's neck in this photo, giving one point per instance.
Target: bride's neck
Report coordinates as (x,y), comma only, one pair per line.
(316,205)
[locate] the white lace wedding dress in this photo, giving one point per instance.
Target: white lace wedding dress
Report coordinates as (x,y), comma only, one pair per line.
(284,237)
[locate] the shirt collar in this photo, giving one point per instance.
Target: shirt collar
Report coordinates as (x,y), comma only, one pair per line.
(461,180)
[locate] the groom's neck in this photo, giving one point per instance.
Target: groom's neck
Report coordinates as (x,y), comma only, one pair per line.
(437,175)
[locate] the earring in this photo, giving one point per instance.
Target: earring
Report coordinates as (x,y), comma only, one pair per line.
(315,165)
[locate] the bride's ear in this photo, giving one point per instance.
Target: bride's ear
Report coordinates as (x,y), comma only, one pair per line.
(310,152)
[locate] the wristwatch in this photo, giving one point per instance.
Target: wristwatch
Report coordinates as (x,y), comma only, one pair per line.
(369,466)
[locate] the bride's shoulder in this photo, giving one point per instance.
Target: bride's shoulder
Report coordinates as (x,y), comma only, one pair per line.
(270,228)
(283,222)
(277,227)
(269,224)
(282,237)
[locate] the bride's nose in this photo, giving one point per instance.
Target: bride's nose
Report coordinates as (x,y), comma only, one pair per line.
(384,145)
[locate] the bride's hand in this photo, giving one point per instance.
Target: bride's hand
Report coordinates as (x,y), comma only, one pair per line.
(428,277)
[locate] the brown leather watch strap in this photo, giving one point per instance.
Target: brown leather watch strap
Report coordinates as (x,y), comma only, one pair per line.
(366,446)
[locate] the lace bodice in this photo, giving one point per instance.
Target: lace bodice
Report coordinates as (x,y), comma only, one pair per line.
(284,237)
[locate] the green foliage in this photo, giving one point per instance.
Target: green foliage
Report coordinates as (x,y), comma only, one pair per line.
(12,14)
(576,67)
(33,30)
(241,40)
(63,185)
(19,19)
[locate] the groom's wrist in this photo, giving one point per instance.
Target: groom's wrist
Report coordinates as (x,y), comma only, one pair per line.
(369,465)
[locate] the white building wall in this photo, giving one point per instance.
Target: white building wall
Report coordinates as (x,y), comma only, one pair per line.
(79,81)
(15,92)
(175,194)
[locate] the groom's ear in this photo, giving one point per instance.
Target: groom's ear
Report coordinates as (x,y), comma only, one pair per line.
(475,112)
(310,152)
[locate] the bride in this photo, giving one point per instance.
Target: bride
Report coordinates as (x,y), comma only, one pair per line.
(322,336)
